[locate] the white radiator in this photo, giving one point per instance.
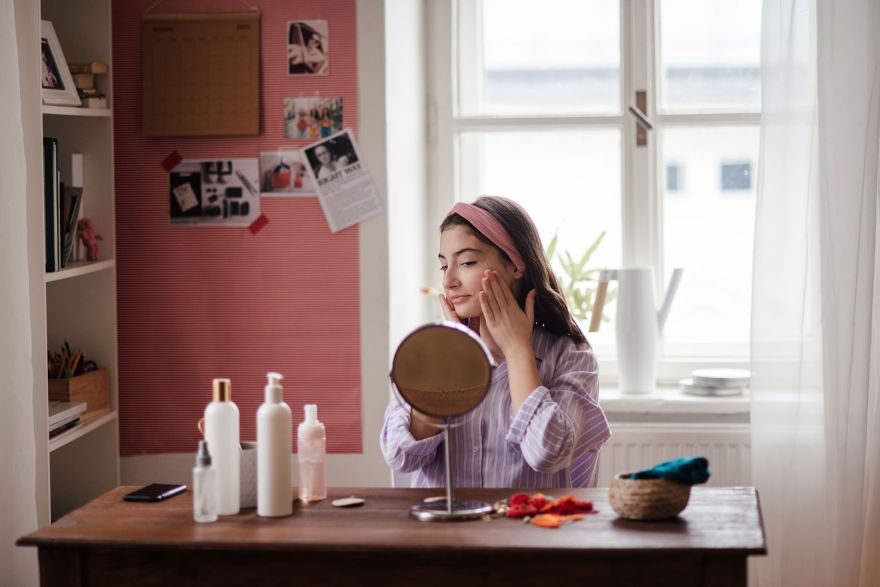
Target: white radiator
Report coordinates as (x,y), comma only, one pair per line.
(640,445)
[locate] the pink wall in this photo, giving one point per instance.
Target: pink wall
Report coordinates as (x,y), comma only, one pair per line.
(199,303)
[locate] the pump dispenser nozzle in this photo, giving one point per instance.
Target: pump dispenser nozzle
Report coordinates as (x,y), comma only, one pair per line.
(274,390)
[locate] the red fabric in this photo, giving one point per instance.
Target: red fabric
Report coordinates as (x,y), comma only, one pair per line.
(198,303)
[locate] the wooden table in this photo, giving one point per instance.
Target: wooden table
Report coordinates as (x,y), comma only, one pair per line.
(111,542)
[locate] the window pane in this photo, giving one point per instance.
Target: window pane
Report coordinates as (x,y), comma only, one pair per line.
(708,231)
(530,64)
(710,55)
(567,180)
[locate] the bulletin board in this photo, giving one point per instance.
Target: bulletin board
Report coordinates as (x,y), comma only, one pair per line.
(201,74)
(196,303)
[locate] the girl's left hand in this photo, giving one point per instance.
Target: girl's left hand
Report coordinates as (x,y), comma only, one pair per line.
(510,327)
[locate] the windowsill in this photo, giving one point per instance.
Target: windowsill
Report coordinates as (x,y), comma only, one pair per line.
(669,404)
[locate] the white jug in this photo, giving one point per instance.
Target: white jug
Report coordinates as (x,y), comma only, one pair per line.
(638,323)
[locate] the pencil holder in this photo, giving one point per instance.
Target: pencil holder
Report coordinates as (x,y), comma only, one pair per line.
(93,388)
(647,499)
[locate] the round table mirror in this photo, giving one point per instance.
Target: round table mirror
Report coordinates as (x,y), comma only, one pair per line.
(444,370)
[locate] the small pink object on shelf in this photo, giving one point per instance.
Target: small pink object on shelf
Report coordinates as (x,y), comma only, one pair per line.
(86,232)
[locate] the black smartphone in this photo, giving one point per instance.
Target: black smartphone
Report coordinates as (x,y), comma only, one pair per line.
(155,492)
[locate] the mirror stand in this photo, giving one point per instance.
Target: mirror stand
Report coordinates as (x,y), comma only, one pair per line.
(450,510)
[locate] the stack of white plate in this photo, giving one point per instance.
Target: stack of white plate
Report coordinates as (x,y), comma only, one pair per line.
(716,382)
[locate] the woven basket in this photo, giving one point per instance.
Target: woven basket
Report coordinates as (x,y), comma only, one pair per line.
(647,499)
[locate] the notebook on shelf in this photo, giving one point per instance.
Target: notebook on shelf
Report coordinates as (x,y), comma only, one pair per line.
(64,415)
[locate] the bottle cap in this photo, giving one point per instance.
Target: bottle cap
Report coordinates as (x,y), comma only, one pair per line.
(311,414)
(203,459)
(222,390)
(274,390)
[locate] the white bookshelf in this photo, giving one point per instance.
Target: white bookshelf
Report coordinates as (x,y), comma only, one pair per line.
(80,300)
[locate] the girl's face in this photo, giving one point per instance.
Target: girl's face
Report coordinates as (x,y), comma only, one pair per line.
(322,154)
(463,259)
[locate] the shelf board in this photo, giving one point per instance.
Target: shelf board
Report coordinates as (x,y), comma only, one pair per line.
(86,424)
(77,111)
(80,268)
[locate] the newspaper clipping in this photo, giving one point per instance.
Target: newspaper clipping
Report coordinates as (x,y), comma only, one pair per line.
(345,187)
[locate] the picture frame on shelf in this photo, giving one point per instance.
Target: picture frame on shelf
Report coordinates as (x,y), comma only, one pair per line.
(57,86)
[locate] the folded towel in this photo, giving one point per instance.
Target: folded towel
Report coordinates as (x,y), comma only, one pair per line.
(687,470)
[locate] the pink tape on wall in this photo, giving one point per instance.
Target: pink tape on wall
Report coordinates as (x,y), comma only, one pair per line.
(199,303)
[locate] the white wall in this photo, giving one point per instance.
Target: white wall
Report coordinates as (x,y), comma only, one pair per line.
(352,470)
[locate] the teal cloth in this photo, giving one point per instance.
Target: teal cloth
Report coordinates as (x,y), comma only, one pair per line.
(687,470)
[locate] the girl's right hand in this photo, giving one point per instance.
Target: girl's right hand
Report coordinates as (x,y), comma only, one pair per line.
(448,309)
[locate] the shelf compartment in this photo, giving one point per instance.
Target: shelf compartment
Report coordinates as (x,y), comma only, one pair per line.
(78,268)
(77,111)
(86,424)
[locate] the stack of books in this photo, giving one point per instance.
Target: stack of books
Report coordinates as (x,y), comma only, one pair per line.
(63,204)
(84,78)
(64,416)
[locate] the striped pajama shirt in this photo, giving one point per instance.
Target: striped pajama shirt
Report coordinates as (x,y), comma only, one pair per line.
(553,441)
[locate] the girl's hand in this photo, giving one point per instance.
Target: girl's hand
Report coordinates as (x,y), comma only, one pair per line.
(449,312)
(510,327)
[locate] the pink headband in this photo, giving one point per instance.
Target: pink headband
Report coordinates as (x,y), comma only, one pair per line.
(491,229)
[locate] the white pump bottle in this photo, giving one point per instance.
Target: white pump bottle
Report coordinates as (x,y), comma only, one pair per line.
(312,451)
(274,439)
(222,434)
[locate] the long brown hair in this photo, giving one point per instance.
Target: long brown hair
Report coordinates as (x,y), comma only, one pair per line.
(551,312)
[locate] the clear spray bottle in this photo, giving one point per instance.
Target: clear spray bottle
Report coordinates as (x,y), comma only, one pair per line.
(312,449)
(204,486)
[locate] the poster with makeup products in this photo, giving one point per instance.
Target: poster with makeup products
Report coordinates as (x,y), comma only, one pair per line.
(284,174)
(214,192)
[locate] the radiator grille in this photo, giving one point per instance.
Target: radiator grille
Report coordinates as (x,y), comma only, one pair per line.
(637,446)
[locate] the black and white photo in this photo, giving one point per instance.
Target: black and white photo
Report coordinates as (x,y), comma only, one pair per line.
(345,188)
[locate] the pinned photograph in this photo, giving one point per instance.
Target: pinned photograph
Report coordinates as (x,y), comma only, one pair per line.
(308,51)
(284,174)
(57,85)
(345,188)
(214,193)
(312,118)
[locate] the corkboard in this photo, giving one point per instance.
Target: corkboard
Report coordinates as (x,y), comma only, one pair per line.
(201,74)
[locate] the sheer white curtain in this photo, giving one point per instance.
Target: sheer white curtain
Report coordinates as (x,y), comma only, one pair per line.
(816,295)
(18,513)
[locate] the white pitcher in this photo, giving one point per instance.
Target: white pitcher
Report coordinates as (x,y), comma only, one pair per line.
(638,323)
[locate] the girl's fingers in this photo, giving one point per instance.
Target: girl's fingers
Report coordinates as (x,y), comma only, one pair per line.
(486,307)
(530,306)
(447,308)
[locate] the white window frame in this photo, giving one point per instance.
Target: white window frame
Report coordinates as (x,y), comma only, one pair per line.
(642,212)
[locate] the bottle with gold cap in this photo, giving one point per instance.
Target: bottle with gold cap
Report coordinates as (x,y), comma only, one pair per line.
(222,434)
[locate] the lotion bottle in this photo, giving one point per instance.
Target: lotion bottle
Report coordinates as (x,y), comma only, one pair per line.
(204,486)
(222,434)
(312,451)
(274,439)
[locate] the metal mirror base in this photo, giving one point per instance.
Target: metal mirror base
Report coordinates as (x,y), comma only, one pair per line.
(438,511)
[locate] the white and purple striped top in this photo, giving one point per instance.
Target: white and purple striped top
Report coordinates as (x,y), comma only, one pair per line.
(552,442)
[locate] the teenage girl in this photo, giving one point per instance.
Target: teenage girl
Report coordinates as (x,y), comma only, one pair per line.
(540,425)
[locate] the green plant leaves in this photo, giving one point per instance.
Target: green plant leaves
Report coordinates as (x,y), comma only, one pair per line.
(577,280)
